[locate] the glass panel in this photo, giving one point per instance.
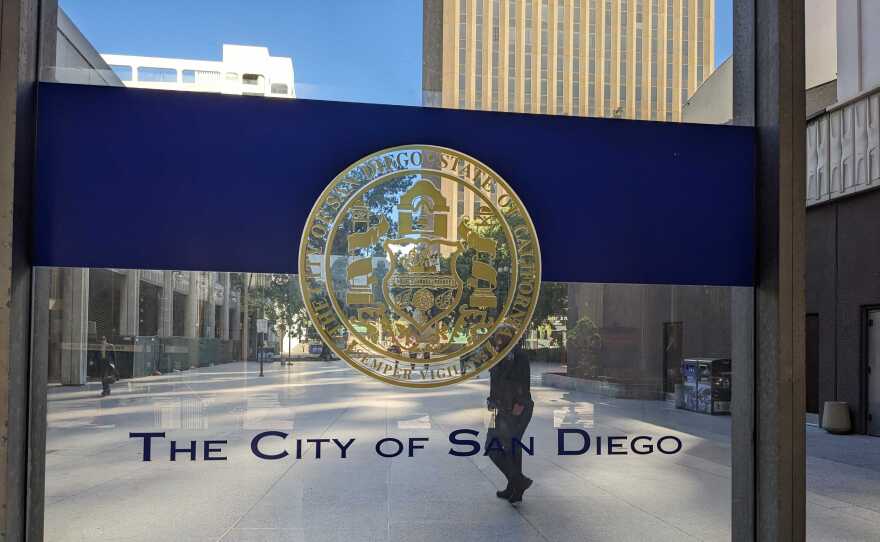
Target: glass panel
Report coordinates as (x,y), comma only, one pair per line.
(157,75)
(639,369)
(637,59)
(123,72)
(640,372)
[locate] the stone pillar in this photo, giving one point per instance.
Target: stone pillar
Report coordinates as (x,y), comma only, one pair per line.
(224,311)
(235,322)
(166,305)
(75,326)
(40,329)
(208,329)
(243,303)
(767,430)
(129,304)
(191,314)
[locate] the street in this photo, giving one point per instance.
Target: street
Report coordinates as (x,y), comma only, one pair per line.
(98,488)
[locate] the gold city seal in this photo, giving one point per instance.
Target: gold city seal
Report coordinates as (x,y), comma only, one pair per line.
(419,266)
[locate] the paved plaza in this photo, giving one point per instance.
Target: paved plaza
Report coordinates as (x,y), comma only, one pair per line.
(97,487)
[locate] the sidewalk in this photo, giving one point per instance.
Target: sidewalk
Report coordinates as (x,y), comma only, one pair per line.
(98,489)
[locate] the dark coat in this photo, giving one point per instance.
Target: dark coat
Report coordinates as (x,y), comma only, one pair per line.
(107,364)
(509,384)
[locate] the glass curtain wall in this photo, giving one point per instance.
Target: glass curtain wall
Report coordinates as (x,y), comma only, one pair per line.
(609,360)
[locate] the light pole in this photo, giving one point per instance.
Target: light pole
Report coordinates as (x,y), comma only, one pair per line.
(259,353)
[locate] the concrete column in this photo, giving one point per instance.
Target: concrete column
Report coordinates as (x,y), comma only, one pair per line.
(245,329)
(235,322)
(208,329)
(224,311)
(28,29)
(191,314)
(40,330)
(129,304)
(768,441)
(166,305)
(75,326)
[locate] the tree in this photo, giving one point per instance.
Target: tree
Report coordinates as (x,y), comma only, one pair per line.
(552,301)
(282,303)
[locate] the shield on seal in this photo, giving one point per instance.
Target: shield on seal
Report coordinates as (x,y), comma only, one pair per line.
(422,286)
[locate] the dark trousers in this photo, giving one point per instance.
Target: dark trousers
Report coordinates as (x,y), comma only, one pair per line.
(507,428)
(105,384)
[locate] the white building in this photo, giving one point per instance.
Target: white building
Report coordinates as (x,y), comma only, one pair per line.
(244,70)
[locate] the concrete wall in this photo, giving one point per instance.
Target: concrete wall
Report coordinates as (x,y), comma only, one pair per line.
(843,278)
(820,97)
(712,103)
(858,47)
(432,53)
(630,318)
(820,293)
(76,60)
(820,45)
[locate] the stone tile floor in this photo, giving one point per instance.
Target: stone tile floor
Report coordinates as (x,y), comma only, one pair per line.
(98,488)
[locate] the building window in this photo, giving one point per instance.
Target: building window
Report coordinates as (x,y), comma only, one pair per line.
(700,21)
(606,74)
(576,59)
(594,59)
(232,76)
(496,36)
(685,45)
(122,72)
(157,75)
(279,88)
(545,15)
(251,79)
(655,29)
(511,55)
(462,53)
(624,42)
(188,76)
(460,203)
(478,64)
(560,56)
(527,92)
(669,50)
(638,59)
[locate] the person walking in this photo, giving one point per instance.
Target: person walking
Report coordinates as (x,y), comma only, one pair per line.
(510,400)
(107,366)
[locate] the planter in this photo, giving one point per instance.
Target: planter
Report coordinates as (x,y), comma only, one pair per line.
(835,417)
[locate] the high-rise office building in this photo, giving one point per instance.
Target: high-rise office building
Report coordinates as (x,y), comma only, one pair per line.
(637,59)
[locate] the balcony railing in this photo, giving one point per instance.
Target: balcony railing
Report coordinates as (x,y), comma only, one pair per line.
(843,149)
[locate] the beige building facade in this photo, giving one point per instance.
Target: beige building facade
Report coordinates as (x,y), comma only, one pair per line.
(637,59)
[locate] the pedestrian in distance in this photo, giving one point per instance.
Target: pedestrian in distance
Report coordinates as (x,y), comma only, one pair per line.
(510,401)
(107,366)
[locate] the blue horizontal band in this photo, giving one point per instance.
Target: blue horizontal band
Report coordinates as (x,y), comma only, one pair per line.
(148,179)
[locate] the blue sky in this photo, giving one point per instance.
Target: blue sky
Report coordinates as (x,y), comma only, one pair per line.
(353,50)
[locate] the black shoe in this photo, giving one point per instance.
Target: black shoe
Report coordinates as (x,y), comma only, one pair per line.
(517,494)
(504,493)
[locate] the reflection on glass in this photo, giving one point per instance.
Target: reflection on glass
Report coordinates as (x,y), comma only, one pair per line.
(604,358)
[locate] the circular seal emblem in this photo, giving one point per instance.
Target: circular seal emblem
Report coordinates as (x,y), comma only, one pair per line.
(419,266)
